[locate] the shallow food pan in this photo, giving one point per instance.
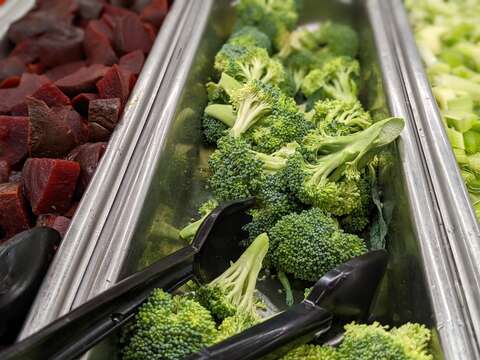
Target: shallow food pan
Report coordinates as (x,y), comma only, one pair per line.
(450,193)
(165,183)
(79,242)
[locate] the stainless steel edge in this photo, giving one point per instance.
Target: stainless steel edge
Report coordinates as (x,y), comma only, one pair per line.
(115,242)
(450,192)
(73,256)
(456,336)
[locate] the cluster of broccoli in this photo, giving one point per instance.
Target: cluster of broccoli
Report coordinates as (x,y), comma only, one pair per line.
(448,38)
(287,127)
(371,342)
(170,327)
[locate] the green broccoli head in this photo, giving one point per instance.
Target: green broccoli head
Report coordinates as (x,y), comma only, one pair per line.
(274,18)
(309,244)
(298,64)
(336,79)
(359,217)
(189,231)
(297,41)
(213,129)
(235,324)
(371,342)
(312,352)
(249,63)
(233,292)
(169,327)
(250,36)
(340,39)
(339,117)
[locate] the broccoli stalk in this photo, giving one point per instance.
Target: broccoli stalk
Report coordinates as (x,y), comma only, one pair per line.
(233,292)
(189,231)
(222,112)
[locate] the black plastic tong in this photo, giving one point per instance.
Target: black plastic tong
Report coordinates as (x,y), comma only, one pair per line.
(74,333)
(344,294)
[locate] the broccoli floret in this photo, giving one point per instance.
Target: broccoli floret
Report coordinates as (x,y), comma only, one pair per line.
(309,244)
(213,129)
(358,219)
(298,65)
(371,342)
(248,36)
(189,231)
(299,40)
(233,292)
(274,18)
(338,117)
(238,171)
(337,79)
(235,324)
(330,179)
(249,63)
(312,352)
(340,39)
(169,327)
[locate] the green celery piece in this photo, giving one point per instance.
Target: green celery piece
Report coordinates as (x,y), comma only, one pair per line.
(474,162)
(461,121)
(458,84)
(472,142)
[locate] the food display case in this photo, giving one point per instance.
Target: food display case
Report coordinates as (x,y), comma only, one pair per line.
(164,176)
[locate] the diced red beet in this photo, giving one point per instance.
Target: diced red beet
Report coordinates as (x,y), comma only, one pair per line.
(14,215)
(4,171)
(155,12)
(81,102)
(132,61)
(78,126)
(61,46)
(151,31)
(88,156)
(90,9)
(13,100)
(70,212)
(51,95)
(105,112)
(83,80)
(11,66)
(57,222)
(10,82)
(129,34)
(121,3)
(15,177)
(115,84)
(49,184)
(51,132)
(36,68)
(14,138)
(31,25)
(60,9)
(97,132)
(64,70)
(26,50)
(116,11)
(97,45)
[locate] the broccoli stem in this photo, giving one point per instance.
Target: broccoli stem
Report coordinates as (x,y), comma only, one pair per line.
(241,277)
(189,231)
(286,287)
(249,111)
(229,84)
(222,112)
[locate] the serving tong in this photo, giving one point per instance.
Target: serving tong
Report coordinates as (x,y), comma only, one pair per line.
(344,294)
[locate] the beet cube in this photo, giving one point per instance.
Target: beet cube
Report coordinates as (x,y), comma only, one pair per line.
(64,70)
(11,66)
(49,184)
(78,126)
(82,101)
(83,80)
(57,222)
(36,68)
(51,95)
(132,61)
(129,34)
(31,25)
(13,99)
(61,46)
(97,132)
(90,9)
(115,84)
(88,156)
(4,171)
(14,216)
(15,177)
(10,82)
(155,12)
(14,138)
(97,45)
(51,131)
(26,50)
(105,112)
(70,212)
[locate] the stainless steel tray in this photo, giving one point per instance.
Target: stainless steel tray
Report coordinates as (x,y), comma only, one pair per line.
(73,256)
(163,184)
(450,193)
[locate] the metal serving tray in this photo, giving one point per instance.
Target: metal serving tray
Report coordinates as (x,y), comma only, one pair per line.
(164,183)
(74,254)
(450,193)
